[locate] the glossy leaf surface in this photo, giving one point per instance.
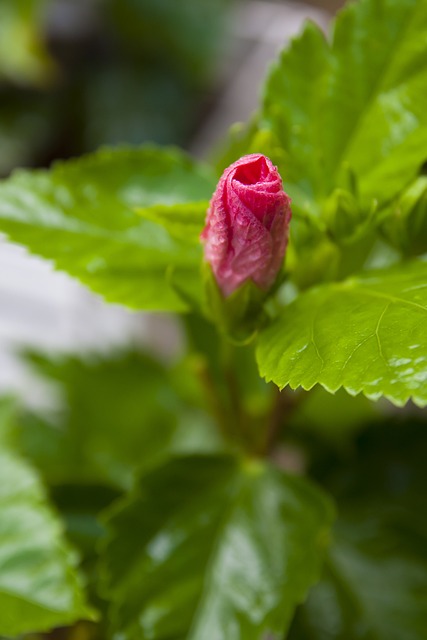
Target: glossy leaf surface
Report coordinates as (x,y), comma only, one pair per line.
(39,585)
(366,334)
(374,585)
(215,547)
(81,216)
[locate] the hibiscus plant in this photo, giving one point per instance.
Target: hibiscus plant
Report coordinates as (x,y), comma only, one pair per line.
(271,482)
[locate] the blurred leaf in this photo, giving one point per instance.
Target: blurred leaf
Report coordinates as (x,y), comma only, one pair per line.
(80,506)
(7,414)
(133,103)
(189,32)
(366,334)
(39,585)
(214,546)
(118,413)
(80,215)
(334,417)
(23,56)
(25,129)
(375,580)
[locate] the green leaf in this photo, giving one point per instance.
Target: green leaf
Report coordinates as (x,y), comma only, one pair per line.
(353,111)
(214,547)
(39,585)
(182,221)
(80,214)
(23,54)
(117,413)
(364,334)
(374,585)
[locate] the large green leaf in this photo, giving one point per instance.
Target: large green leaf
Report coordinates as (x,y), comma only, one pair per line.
(329,104)
(39,585)
(374,585)
(355,106)
(214,547)
(80,214)
(364,334)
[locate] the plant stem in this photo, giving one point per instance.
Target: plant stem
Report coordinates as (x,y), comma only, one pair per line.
(282,406)
(213,398)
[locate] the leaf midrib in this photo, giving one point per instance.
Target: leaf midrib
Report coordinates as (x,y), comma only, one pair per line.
(216,545)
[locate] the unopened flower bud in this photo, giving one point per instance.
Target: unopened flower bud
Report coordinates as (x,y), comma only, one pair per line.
(247,225)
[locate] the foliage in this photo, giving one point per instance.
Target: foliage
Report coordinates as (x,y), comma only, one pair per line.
(374,581)
(77,75)
(39,584)
(250,543)
(81,216)
(370,353)
(179,484)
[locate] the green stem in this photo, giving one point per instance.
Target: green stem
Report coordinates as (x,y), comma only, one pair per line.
(213,398)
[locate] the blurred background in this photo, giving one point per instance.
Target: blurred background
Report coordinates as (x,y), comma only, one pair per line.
(78,74)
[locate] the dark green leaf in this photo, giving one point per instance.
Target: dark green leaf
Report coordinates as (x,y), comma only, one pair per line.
(118,413)
(39,584)
(375,580)
(334,418)
(364,334)
(189,32)
(81,215)
(214,547)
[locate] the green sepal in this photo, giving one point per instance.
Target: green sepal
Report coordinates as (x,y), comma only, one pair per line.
(238,315)
(404,221)
(346,218)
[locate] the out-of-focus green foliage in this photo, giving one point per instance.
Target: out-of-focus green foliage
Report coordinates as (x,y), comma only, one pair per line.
(375,579)
(24,58)
(39,584)
(116,414)
(76,75)
(186,30)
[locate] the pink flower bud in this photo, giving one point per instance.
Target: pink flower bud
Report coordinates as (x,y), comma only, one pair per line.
(247,225)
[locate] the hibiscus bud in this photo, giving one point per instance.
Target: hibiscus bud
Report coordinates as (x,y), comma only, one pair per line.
(247,225)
